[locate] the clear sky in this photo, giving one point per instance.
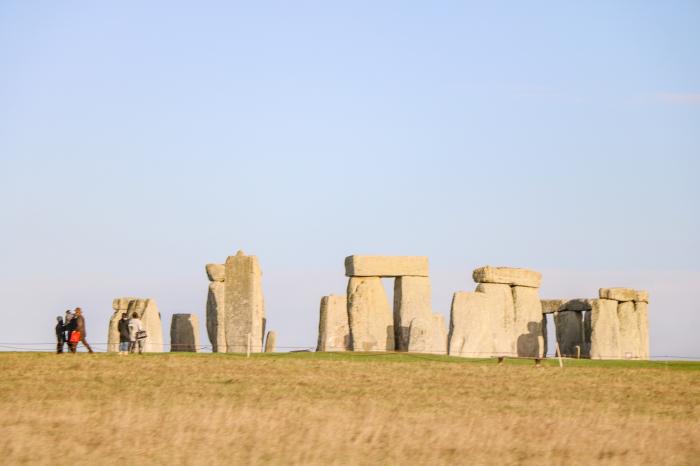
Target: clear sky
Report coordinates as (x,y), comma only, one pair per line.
(141,140)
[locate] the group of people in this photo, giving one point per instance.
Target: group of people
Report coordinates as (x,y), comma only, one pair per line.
(71,331)
(132,334)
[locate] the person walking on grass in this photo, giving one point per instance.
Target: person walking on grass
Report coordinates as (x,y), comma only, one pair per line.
(69,327)
(135,331)
(80,327)
(124,336)
(60,335)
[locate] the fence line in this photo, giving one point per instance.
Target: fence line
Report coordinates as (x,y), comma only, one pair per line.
(42,347)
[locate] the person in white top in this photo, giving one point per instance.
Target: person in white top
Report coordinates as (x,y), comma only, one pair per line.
(135,326)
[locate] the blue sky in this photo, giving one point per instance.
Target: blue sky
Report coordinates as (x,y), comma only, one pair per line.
(140,141)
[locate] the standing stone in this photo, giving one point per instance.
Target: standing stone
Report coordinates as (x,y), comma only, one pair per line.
(641,308)
(605,330)
(502,319)
(507,276)
(386,266)
(438,335)
(411,301)
(270,341)
(569,328)
(244,304)
(528,321)
(148,313)
(184,333)
(587,330)
(120,306)
(419,335)
(630,341)
(216,316)
(369,315)
(150,318)
(333,328)
(472,324)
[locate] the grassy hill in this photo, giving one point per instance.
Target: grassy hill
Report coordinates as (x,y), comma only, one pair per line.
(313,408)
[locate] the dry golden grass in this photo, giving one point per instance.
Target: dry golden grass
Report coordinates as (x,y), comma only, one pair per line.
(342,409)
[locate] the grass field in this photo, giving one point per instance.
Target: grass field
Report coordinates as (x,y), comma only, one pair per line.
(314,408)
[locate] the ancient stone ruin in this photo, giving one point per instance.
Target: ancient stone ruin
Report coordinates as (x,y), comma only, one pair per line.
(363,319)
(184,333)
(148,313)
(614,326)
(503,317)
(235,305)
(333,329)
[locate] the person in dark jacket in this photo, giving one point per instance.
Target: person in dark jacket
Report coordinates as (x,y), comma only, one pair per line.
(80,327)
(123,326)
(60,335)
(69,327)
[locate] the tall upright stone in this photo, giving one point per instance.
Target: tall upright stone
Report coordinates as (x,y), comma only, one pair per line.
(369,315)
(472,326)
(216,308)
(333,328)
(605,329)
(244,304)
(528,321)
(438,335)
(569,329)
(271,341)
(641,308)
(184,333)
(419,336)
(630,340)
(412,300)
(147,311)
(502,319)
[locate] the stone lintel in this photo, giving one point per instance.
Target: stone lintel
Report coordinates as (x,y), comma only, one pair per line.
(386,266)
(507,276)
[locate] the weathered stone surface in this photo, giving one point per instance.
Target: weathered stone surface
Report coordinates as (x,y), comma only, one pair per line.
(553,305)
(528,320)
(333,328)
(475,322)
(545,337)
(507,276)
(245,311)
(618,294)
(587,330)
(386,266)
(369,315)
(216,316)
(271,341)
(184,333)
(412,299)
(569,327)
(550,306)
(502,318)
(216,272)
(578,305)
(630,340)
(605,330)
(641,296)
(642,310)
(438,335)
(420,335)
(148,313)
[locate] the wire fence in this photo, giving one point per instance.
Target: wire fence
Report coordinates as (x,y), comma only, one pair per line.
(102,347)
